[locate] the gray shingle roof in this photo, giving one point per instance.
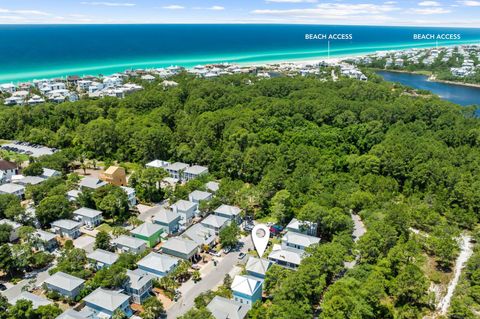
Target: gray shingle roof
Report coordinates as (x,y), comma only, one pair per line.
(66,224)
(91,182)
(228,210)
(196,170)
(10,188)
(215,221)
(37,301)
(257,265)
(129,241)
(184,205)
(199,195)
(300,239)
(138,278)
(200,234)
(163,216)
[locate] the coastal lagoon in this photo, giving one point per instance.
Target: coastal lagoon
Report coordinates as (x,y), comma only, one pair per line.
(44,51)
(459,94)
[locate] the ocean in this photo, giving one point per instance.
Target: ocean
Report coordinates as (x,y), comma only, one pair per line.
(30,52)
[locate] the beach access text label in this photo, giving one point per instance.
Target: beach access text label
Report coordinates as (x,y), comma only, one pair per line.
(437,36)
(326,36)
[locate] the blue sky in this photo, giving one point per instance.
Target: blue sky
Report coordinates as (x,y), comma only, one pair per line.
(364,12)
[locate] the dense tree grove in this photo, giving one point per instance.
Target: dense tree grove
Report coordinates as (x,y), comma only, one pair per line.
(300,147)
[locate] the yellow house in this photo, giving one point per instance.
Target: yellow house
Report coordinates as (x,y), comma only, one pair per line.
(115,175)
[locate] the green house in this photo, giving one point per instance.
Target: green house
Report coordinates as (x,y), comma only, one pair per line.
(148,232)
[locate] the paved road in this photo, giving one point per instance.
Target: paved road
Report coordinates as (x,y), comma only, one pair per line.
(29,283)
(210,279)
(358,231)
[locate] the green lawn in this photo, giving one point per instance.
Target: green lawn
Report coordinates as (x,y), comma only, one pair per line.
(105,227)
(266,219)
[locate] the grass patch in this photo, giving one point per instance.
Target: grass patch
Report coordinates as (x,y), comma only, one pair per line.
(13,157)
(266,219)
(105,227)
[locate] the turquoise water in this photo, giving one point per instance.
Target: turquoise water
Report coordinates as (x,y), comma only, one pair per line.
(39,51)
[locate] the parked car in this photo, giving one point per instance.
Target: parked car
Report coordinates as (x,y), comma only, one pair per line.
(3,287)
(226,250)
(196,266)
(214,253)
(241,255)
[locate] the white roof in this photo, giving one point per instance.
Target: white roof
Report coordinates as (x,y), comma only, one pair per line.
(128,190)
(228,210)
(10,188)
(246,285)
(103,256)
(300,239)
(162,215)
(11,223)
(184,205)
(157,164)
(196,170)
(160,262)
(47,172)
(257,265)
(37,301)
(215,221)
(223,308)
(66,224)
(182,245)
(200,234)
(73,314)
(107,299)
(31,180)
(74,193)
(45,235)
(147,229)
(138,278)
(212,186)
(177,166)
(199,195)
(64,281)
(129,241)
(87,212)
(299,225)
(293,256)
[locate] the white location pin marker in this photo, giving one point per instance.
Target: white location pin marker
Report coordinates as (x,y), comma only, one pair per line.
(260,237)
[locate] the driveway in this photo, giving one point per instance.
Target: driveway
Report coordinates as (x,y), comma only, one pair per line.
(212,276)
(26,284)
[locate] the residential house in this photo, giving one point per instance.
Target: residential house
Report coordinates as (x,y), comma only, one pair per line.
(8,88)
(66,228)
(166,218)
(73,195)
(186,210)
(230,212)
(181,247)
(257,267)
(223,308)
(115,175)
(48,173)
(13,189)
(201,235)
(158,265)
(87,216)
(74,314)
(29,180)
(15,228)
(45,241)
(176,170)
(286,257)
(157,164)
(298,240)
(194,171)
(131,195)
(149,232)
(303,227)
(212,186)
(198,196)
(103,303)
(128,244)
(65,284)
(91,183)
(7,171)
(139,285)
(215,222)
(36,301)
(247,289)
(100,258)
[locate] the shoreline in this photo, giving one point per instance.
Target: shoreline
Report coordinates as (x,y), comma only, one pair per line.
(431,78)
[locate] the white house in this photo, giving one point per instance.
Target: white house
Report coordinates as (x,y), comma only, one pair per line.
(65,284)
(223,308)
(15,228)
(66,228)
(215,222)
(87,216)
(186,210)
(128,244)
(101,258)
(131,195)
(194,171)
(176,170)
(7,171)
(230,212)
(157,164)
